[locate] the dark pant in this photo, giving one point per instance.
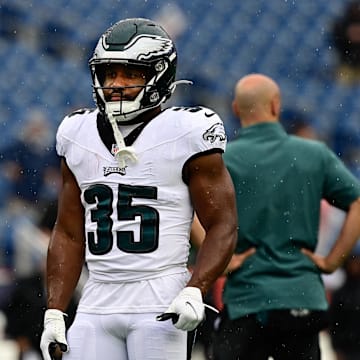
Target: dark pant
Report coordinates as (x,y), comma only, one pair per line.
(279,334)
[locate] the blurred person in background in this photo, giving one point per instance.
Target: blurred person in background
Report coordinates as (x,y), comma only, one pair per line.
(30,166)
(275,303)
(296,122)
(29,181)
(345,311)
(346,39)
(26,302)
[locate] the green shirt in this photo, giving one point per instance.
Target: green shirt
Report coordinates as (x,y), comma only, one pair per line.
(279,181)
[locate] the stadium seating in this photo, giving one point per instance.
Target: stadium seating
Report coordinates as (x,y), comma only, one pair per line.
(45,45)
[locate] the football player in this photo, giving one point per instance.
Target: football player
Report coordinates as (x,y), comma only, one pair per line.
(133,175)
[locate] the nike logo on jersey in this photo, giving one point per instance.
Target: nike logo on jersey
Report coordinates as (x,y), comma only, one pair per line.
(209,114)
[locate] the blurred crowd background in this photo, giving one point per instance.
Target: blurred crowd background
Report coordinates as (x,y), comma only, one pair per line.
(311,48)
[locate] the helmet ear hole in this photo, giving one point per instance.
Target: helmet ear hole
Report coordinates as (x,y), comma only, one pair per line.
(151,96)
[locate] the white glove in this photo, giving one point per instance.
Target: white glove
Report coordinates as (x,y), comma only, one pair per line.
(54,333)
(187,310)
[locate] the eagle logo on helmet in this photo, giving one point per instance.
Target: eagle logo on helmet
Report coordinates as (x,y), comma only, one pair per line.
(144,47)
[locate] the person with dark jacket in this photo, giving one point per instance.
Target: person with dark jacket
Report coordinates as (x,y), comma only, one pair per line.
(275,302)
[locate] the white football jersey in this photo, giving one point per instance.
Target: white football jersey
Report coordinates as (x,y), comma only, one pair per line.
(138,218)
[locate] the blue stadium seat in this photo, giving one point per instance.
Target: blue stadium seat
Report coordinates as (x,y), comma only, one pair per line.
(288,40)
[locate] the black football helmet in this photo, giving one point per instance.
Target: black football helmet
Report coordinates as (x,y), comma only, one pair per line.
(137,42)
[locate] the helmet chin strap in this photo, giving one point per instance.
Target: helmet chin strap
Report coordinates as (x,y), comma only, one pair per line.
(123,152)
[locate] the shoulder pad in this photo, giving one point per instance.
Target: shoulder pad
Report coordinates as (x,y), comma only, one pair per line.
(81,112)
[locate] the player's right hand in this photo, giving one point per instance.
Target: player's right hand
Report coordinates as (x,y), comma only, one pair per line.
(53,334)
(187,310)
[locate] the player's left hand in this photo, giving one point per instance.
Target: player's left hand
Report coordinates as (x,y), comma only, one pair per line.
(187,310)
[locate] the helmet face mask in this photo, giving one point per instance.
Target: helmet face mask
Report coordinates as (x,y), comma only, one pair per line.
(135,42)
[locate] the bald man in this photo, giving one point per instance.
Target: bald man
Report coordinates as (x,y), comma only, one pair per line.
(275,303)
